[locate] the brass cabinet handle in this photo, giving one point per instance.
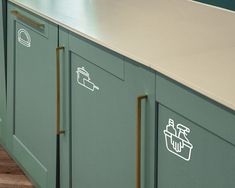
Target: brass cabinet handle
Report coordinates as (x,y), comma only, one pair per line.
(27,20)
(58,131)
(138,140)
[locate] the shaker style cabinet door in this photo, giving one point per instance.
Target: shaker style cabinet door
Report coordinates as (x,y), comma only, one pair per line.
(104,138)
(196,142)
(32,46)
(2,77)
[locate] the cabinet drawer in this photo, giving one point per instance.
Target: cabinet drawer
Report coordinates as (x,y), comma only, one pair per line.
(98,55)
(208,114)
(191,156)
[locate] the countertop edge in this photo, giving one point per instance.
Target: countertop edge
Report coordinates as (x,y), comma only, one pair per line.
(172,76)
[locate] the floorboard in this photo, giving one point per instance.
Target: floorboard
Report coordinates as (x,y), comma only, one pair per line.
(11,176)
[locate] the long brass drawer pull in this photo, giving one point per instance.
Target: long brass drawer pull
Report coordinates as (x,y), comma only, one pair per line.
(58,131)
(138,140)
(27,20)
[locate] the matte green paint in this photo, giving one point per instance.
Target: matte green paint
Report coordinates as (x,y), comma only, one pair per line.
(211,134)
(205,112)
(65,148)
(228,4)
(96,54)
(32,99)
(98,148)
(2,78)
(103,126)
(212,161)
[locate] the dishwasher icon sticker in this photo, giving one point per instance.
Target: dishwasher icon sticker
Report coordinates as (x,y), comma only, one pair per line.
(83,78)
(24,37)
(177,141)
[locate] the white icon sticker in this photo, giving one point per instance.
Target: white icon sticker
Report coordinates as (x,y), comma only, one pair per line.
(83,78)
(177,141)
(24,37)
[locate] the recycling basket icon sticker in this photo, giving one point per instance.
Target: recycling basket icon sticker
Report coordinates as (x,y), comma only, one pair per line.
(177,141)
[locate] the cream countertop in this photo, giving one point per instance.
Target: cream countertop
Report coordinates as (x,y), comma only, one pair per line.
(189,42)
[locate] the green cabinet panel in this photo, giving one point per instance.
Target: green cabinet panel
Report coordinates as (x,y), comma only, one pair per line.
(228,4)
(205,112)
(65,146)
(115,64)
(32,95)
(2,76)
(103,121)
(195,143)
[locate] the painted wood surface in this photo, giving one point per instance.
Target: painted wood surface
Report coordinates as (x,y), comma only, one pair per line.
(31,95)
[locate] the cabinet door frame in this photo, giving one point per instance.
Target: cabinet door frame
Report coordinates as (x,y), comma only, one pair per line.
(2,73)
(206,120)
(65,149)
(22,155)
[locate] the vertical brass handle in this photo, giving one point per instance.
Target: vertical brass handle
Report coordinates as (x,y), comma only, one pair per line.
(58,131)
(27,20)
(138,140)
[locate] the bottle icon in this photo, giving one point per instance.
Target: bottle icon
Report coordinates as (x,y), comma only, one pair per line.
(171,127)
(183,132)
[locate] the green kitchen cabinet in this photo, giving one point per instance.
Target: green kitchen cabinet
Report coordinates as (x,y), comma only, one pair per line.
(2,75)
(31,99)
(119,124)
(196,142)
(228,4)
(101,129)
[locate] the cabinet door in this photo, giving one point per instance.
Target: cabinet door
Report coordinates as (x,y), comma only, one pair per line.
(2,75)
(32,45)
(103,118)
(195,139)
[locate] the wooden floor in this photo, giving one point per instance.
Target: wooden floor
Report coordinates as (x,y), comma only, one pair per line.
(11,176)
